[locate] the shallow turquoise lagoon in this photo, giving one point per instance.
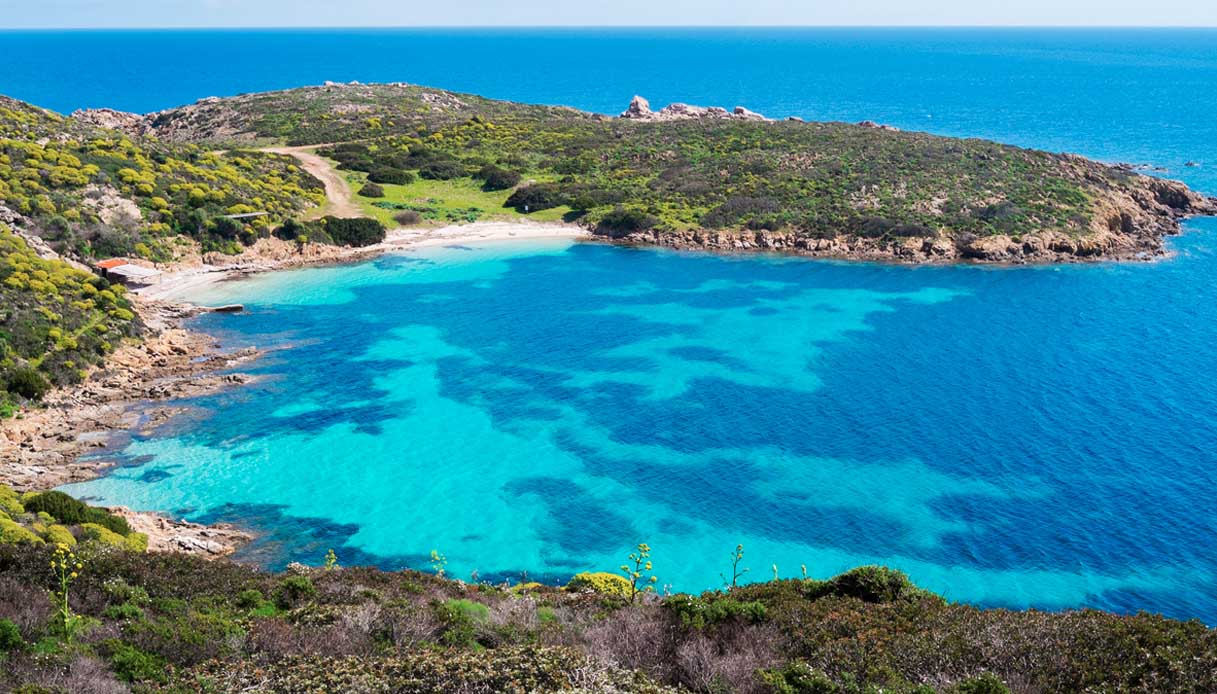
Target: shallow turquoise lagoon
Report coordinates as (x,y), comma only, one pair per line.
(1007,436)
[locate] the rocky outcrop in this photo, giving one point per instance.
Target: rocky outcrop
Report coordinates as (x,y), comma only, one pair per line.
(1131,225)
(131,123)
(168,535)
(44,448)
(640,110)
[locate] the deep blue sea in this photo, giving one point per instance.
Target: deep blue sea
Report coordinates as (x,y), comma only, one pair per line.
(1008,436)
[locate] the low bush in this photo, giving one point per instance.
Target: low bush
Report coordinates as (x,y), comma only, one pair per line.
(59,535)
(496,178)
(390,175)
(535,197)
(442,170)
(357,232)
(372,190)
(408,218)
(621,221)
(10,636)
(294,591)
(699,612)
(877,584)
(13,533)
(26,382)
(69,511)
(600,582)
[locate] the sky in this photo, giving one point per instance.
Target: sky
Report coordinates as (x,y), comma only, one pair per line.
(397,13)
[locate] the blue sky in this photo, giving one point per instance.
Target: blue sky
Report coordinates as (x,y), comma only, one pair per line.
(214,13)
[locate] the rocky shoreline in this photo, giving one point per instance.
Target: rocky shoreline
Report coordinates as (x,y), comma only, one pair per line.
(45,447)
(1131,227)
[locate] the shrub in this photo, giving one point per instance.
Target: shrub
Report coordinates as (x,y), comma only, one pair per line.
(600,582)
(102,534)
(461,619)
(294,591)
(136,542)
(442,170)
(708,610)
(798,678)
(408,218)
(535,197)
(10,503)
(70,511)
(356,232)
(290,230)
(10,636)
(877,584)
(372,190)
(26,382)
(496,178)
(59,535)
(133,665)
(125,612)
(250,598)
(386,174)
(623,221)
(13,533)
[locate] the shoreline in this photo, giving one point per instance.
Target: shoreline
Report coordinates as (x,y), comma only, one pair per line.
(134,389)
(270,255)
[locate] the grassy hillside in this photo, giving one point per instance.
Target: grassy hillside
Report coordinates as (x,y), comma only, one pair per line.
(174,623)
(652,180)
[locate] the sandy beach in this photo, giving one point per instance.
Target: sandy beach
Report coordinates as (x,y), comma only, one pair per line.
(270,254)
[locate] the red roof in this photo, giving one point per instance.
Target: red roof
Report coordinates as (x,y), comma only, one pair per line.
(112,263)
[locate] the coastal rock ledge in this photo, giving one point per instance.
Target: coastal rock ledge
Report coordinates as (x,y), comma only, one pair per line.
(1130,224)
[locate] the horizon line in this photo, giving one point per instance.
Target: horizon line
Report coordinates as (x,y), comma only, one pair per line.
(1097,27)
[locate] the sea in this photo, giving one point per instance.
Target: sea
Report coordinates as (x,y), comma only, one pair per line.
(1018,436)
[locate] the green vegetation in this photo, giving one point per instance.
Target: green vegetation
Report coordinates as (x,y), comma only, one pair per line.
(94,193)
(600,582)
(56,519)
(818,179)
(55,321)
(815,180)
(163,622)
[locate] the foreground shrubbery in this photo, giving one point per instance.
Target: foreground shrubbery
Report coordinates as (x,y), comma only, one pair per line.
(176,623)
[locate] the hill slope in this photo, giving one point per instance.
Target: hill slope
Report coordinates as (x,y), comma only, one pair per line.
(709,178)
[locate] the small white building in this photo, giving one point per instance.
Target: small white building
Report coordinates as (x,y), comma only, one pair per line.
(125,272)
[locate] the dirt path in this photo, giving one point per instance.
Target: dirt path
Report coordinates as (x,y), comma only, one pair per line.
(337,192)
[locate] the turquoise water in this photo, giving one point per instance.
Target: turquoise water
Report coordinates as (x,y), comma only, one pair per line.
(1014,437)
(1031,436)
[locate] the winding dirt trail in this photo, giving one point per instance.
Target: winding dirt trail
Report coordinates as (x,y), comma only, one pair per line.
(339,201)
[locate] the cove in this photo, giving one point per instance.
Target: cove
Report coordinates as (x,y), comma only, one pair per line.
(1008,436)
